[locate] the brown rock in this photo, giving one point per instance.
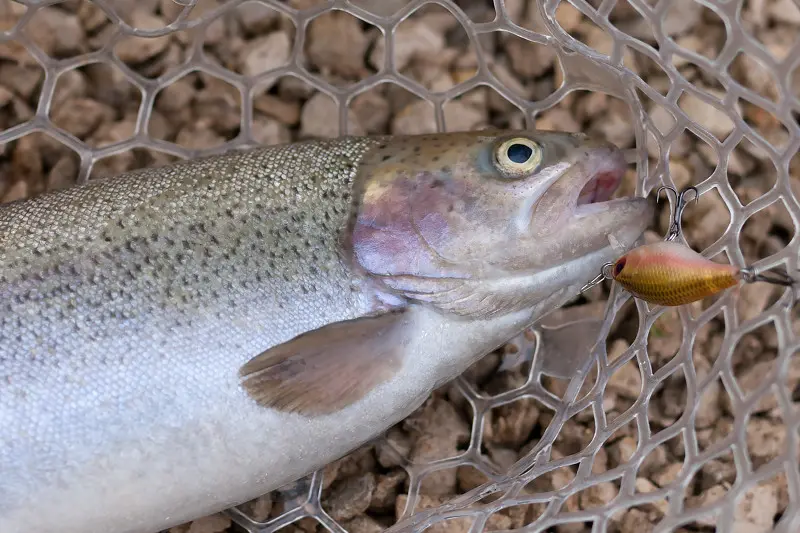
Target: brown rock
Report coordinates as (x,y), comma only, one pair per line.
(211,524)
(758,507)
(668,474)
(285,112)
(18,191)
(267,131)
(198,136)
(135,50)
(363,524)
(394,449)
(57,33)
(265,54)
(337,44)
(260,508)
(23,80)
(597,495)
(636,521)
(765,440)
(71,84)
(529,60)
(81,116)
(351,497)
(256,17)
(557,119)
(63,174)
(457,525)
(512,424)
(459,116)
(414,119)
(412,39)
(626,381)
(372,111)
(320,118)
(386,490)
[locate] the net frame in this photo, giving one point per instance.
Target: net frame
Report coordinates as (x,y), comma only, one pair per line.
(584,68)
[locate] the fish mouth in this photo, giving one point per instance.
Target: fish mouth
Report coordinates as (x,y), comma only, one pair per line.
(601,185)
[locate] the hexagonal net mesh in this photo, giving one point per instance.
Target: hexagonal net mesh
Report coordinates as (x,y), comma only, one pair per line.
(683,420)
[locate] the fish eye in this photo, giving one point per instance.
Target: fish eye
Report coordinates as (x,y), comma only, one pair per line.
(619,266)
(518,157)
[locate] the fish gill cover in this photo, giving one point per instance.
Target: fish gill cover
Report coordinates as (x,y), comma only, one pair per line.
(684,420)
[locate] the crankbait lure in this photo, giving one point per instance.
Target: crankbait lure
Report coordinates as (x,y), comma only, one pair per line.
(671,274)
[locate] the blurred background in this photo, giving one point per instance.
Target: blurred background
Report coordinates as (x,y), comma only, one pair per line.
(703,93)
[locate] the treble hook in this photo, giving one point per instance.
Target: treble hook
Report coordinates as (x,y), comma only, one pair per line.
(675,228)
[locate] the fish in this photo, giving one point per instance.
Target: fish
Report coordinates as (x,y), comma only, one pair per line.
(671,274)
(177,341)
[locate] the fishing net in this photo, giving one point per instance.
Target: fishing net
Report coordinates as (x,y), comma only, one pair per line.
(681,420)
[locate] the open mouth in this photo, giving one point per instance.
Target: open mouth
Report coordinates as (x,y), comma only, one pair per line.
(601,187)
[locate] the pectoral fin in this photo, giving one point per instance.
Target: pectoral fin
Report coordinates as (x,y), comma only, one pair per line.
(328,369)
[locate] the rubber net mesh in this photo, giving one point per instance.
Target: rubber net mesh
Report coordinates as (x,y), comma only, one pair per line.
(687,420)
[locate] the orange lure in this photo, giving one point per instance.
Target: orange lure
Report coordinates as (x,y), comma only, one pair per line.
(672,274)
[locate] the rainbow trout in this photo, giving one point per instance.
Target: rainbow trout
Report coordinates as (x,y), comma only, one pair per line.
(176,341)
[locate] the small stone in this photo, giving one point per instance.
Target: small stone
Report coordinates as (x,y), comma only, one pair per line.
(397,446)
(260,508)
(717,472)
(681,17)
(265,54)
(175,96)
(667,475)
(363,524)
(285,112)
(211,524)
(412,39)
(415,119)
(469,478)
(18,191)
(292,88)
(636,521)
(267,131)
(784,11)
(256,17)
(709,116)
(58,34)
(386,490)
(23,80)
(81,116)
(511,424)
(626,381)
(709,410)
(337,44)
(92,16)
(218,105)
(529,60)
(63,174)
(456,525)
(320,118)
(351,497)
(597,495)
(758,506)
(658,507)
(765,440)
(557,119)
(135,50)
(623,450)
(459,116)
(372,111)
(198,136)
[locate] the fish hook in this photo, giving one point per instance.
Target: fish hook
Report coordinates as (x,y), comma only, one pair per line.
(604,275)
(680,204)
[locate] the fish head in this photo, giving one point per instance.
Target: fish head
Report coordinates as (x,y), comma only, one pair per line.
(491,221)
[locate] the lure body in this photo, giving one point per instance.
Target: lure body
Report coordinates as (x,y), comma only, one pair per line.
(180,340)
(672,274)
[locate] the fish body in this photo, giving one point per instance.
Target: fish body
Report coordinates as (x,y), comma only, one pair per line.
(176,341)
(672,274)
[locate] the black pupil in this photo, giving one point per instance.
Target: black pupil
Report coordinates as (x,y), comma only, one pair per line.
(519,153)
(619,266)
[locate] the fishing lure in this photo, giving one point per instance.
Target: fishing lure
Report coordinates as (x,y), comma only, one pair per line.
(671,274)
